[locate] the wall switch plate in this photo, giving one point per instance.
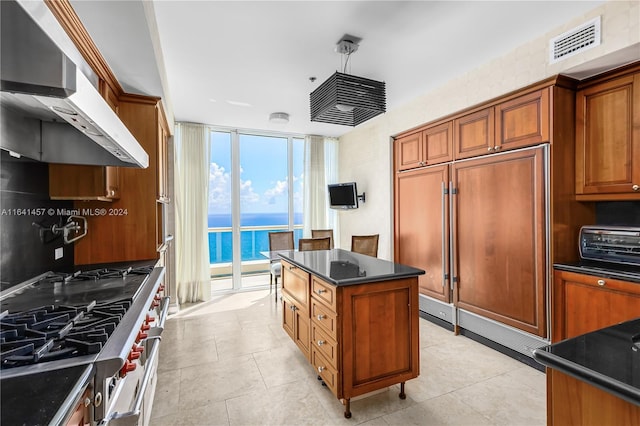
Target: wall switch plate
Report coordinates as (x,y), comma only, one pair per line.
(59,253)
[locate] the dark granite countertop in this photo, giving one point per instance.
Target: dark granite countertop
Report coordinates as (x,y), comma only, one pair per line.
(608,359)
(622,272)
(343,267)
(43,398)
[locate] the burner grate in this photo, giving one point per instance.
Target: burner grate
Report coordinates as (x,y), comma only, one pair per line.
(50,333)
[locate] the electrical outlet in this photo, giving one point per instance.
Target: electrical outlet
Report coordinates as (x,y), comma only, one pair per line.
(59,253)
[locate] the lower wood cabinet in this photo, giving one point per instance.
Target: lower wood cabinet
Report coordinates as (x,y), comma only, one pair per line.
(358,338)
(574,402)
(584,303)
(581,304)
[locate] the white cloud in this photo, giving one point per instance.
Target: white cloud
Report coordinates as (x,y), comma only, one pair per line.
(279,189)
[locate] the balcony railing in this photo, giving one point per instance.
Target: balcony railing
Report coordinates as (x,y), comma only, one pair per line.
(253,240)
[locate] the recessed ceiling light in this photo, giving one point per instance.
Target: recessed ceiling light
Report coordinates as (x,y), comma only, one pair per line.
(212,100)
(279,117)
(238,103)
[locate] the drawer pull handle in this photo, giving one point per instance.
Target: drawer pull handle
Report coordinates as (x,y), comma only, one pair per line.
(636,187)
(601,282)
(320,291)
(320,342)
(293,307)
(490,149)
(321,317)
(320,369)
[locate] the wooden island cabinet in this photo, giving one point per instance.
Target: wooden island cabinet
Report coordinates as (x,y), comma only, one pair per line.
(354,317)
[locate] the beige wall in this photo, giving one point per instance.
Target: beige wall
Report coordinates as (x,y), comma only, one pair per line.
(365,154)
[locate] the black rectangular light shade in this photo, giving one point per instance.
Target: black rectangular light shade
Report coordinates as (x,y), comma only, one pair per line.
(359,99)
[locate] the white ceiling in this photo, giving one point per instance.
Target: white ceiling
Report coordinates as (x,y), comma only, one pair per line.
(232,63)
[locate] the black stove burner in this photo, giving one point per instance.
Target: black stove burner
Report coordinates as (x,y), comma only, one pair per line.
(55,332)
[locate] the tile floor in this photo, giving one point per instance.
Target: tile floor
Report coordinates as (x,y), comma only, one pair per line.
(228,362)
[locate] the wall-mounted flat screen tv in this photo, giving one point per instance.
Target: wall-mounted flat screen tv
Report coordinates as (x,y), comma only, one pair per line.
(343,195)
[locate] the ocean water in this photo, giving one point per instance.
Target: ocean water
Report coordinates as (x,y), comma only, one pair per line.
(252,242)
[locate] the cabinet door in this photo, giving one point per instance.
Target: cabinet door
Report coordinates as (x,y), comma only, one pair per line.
(474,134)
(296,323)
(608,139)
(76,182)
(523,121)
(499,238)
(422,227)
(163,164)
(380,336)
(438,144)
(584,303)
(408,151)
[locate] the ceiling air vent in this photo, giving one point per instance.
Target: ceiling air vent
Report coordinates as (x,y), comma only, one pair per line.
(575,41)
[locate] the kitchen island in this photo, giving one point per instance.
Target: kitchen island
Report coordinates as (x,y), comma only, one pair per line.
(595,377)
(354,317)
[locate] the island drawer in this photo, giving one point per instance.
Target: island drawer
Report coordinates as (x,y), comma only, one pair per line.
(324,344)
(325,371)
(324,292)
(325,318)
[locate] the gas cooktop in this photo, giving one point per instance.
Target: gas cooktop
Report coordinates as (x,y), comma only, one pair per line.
(79,288)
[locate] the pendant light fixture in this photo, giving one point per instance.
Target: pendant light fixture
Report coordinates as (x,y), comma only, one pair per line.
(347,99)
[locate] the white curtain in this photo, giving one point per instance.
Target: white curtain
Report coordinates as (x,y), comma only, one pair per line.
(320,169)
(192,158)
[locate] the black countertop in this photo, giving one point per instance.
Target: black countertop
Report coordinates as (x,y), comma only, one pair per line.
(608,359)
(343,267)
(43,398)
(615,271)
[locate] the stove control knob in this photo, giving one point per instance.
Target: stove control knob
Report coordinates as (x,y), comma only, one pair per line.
(133,355)
(141,336)
(127,367)
(149,319)
(161,288)
(137,348)
(145,327)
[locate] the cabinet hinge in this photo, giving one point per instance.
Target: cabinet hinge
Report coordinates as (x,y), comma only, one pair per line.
(454,191)
(445,190)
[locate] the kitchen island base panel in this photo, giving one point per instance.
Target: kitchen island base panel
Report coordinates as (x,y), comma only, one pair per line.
(576,402)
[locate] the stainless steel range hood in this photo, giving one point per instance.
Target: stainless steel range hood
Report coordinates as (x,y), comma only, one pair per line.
(50,111)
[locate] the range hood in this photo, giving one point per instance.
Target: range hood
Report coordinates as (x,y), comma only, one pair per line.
(50,111)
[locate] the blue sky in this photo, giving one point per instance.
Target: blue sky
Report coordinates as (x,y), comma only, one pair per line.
(263,176)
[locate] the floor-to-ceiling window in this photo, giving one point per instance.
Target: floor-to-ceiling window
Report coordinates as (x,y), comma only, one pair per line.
(256,183)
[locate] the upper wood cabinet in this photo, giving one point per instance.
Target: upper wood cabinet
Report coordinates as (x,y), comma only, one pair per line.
(608,140)
(516,123)
(424,148)
(474,133)
(73,182)
(522,121)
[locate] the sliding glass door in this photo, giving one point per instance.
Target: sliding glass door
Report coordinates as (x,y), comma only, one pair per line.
(256,184)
